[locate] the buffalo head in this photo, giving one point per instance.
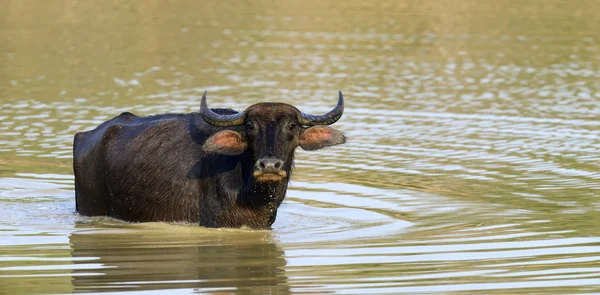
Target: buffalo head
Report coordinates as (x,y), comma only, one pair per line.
(270,132)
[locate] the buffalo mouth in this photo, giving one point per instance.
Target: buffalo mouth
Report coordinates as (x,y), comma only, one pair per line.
(269,176)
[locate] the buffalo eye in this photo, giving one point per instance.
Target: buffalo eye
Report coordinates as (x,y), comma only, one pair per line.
(292,126)
(249,126)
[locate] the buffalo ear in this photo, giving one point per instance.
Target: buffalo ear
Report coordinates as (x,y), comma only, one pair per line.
(225,142)
(318,137)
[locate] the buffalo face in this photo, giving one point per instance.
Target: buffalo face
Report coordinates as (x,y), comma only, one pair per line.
(270,132)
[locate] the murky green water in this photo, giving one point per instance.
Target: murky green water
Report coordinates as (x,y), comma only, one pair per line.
(472,166)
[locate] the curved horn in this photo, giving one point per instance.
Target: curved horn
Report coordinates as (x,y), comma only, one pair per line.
(327,119)
(215,119)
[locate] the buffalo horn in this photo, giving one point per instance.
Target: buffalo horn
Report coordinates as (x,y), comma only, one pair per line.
(215,119)
(327,119)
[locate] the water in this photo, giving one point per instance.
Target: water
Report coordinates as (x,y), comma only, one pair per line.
(472,165)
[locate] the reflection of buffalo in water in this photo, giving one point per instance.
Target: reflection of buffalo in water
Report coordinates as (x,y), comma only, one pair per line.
(163,258)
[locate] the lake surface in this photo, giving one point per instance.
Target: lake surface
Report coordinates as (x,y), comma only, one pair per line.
(472,167)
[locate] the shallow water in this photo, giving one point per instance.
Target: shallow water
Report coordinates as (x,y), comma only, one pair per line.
(472,165)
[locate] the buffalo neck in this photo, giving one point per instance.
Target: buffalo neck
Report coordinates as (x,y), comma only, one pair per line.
(266,196)
(258,203)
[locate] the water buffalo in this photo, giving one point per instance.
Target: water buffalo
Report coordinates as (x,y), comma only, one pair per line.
(217,167)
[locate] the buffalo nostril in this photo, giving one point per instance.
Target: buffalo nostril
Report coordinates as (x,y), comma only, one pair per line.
(269,165)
